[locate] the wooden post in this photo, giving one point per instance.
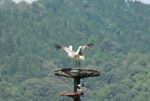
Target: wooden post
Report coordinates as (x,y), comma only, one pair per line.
(76,82)
(76,74)
(77,99)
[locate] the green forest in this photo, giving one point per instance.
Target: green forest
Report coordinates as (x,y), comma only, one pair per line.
(119,30)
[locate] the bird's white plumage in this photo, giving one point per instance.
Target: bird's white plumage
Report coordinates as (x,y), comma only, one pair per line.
(81,48)
(70,47)
(79,87)
(79,90)
(78,54)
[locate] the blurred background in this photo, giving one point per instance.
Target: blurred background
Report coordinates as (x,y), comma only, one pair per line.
(119,29)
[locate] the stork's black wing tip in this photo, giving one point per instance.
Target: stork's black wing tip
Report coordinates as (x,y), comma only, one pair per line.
(58,46)
(90,45)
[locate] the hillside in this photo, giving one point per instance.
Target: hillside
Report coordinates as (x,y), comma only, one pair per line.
(119,31)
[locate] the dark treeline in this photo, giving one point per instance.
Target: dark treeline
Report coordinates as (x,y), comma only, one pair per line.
(119,30)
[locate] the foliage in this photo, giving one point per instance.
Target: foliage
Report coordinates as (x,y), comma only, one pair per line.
(119,31)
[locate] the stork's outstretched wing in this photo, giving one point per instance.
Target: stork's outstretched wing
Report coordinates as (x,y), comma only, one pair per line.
(67,49)
(81,48)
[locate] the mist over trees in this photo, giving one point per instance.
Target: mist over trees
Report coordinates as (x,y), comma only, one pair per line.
(120,33)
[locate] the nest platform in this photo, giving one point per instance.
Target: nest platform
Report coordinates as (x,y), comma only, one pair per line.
(76,73)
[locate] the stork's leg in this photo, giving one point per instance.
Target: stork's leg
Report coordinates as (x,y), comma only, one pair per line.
(79,67)
(76,64)
(79,63)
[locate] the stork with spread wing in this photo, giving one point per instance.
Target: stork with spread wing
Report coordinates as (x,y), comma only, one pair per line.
(78,55)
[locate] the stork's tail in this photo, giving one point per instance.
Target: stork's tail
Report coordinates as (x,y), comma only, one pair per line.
(58,46)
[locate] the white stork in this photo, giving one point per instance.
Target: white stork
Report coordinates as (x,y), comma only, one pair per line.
(78,55)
